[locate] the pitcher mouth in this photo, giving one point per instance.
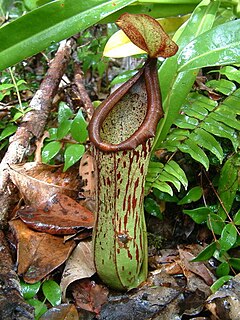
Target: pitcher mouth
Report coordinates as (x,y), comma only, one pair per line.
(154,111)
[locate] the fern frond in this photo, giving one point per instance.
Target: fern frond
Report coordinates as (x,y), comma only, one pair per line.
(163,177)
(202,119)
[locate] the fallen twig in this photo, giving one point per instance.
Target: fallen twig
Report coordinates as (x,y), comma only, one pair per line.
(33,123)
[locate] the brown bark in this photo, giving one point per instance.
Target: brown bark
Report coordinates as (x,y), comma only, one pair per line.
(33,123)
(78,79)
(12,304)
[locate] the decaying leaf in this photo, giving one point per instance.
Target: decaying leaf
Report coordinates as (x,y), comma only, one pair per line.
(146,33)
(89,296)
(63,312)
(59,215)
(80,265)
(38,253)
(225,303)
(38,182)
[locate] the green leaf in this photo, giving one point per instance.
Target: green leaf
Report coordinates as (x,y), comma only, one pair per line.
(8,131)
(52,292)
(224,86)
(215,223)
(206,253)
(207,141)
(123,77)
(220,130)
(29,290)
(173,168)
(163,186)
(52,134)
(236,218)
(64,112)
(228,184)
(167,177)
(164,196)
(186,122)
(235,263)
(34,32)
(223,269)
(50,150)
(218,46)
(189,146)
(199,215)
(63,128)
(152,207)
(79,128)
(193,195)
(72,154)
(218,284)
(40,307)
(228,237)
(175,86)
(231,73)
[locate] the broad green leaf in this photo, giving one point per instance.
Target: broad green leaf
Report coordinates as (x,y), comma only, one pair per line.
(206,253)
(175,86)
(152,207)
(228,119)
(29,290)
(220,130)
(17,116)
(207,141)
(156,9)
(215,223)
(5,86)
(228,237)
(50,150)
(163,186)
(79,128)
(199,215)
(40,307)
(218,46)
(236,218)
(228,184)
(235,263)
(64,112)
(72,154)
(173,168)
(189,146)
(167,177)
(231,73)
(123,77)
(52,292)
(164,196)
(63,128)
(224,86)
(193,195)
(35,31)
(52,134)
(8,131)
(223,269)
(186,122)
(218,284)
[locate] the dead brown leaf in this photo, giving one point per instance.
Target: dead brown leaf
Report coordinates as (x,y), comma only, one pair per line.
(38,253)
(39,182)
(59,215)
(61,312)
(89,296)
(80,265)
